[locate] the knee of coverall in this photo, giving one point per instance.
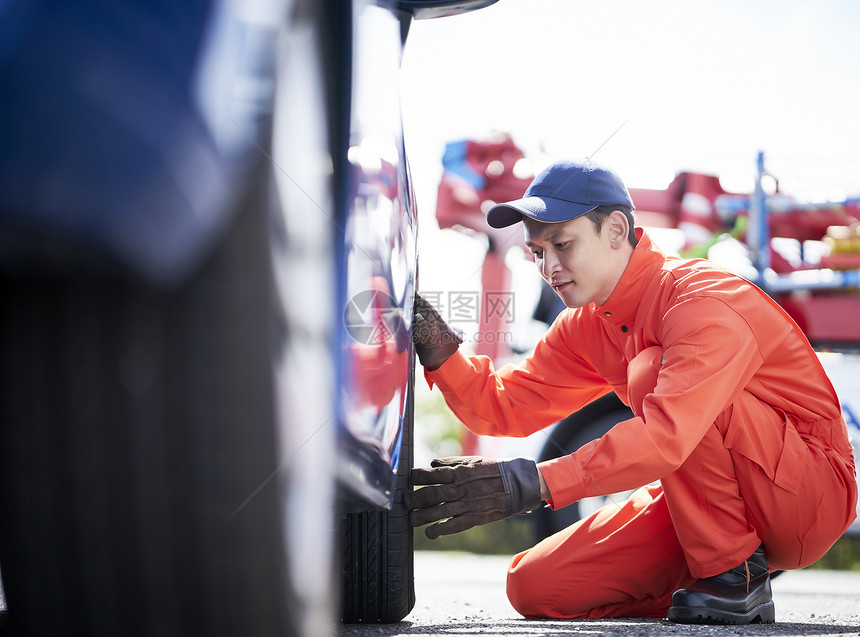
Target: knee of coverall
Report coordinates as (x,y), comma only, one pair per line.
(534,587)
(622,561)
(642,376)
(523,586)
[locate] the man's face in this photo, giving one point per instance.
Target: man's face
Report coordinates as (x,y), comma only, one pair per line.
(582,265)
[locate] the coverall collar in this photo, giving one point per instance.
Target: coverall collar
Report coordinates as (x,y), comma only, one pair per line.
(621,306)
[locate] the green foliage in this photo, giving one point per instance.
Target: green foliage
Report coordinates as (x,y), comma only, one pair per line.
(505,537)
(509,537)
(438,432)
(843,556)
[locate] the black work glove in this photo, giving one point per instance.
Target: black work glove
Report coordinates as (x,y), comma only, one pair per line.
(435,341)
(471,490)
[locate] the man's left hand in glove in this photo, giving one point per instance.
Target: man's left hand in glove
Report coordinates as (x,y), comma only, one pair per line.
(465,491)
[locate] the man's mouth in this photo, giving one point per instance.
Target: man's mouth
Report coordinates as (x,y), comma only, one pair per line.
(558,287)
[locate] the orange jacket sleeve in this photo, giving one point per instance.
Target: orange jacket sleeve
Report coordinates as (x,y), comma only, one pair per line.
(518,400)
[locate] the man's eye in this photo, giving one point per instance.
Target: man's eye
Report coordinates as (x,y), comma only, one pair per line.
(561,245)
(537,254)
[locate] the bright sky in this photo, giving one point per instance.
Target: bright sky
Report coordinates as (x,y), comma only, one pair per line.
(694,85)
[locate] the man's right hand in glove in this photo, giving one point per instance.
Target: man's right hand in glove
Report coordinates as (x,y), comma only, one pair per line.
(467,491)
(435,341)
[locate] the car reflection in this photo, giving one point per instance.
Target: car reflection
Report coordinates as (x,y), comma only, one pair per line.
(375,356)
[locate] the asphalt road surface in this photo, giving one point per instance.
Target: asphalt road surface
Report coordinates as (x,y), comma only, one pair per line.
(464,594)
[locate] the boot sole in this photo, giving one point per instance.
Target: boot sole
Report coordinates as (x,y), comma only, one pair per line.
(761,614)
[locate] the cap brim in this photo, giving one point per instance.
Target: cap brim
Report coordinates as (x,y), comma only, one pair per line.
(503,215)
(543,209)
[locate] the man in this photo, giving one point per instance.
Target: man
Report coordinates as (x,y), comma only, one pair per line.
(733,415)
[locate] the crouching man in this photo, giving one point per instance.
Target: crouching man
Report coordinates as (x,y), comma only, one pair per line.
(733,415)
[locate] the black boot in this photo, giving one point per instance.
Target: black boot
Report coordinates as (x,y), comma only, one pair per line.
(741,595)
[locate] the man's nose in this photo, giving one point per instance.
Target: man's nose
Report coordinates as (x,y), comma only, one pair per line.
(549,265)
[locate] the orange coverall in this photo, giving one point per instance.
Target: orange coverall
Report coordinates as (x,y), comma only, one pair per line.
(733,414)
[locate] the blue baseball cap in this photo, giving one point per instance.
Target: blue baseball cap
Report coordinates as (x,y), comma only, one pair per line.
(566,190)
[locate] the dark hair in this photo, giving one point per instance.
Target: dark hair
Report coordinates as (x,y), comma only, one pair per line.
(599,214)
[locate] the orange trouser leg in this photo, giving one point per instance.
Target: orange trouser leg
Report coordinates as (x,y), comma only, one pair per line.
(623,561)
(702,496)
(798,524)
(723,504)
(706,506)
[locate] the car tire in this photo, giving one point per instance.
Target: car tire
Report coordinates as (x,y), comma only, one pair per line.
(588,424)
(376,548)
(140,479)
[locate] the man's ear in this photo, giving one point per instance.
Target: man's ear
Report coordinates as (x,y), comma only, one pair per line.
(619,228)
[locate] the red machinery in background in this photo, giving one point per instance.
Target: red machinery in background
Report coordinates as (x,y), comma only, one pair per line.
(477,175)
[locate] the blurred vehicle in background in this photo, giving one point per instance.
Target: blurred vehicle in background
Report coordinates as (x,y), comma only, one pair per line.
(207,264)
(806,255)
